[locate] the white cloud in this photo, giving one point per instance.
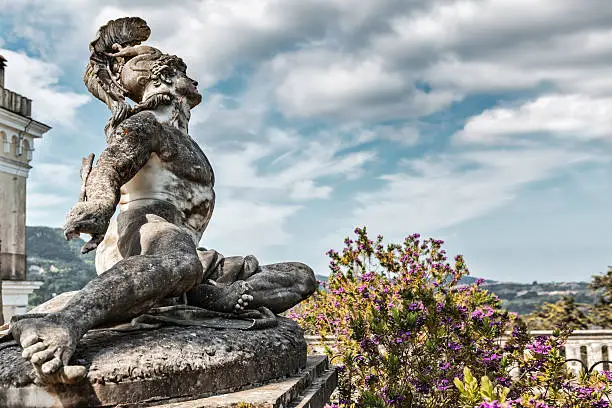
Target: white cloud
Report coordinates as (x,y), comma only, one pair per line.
(445,190)
(241,227)
(39,81)
(47,208)
(407,135)
(569,116)
(306,189)
(328,89)
(54,175)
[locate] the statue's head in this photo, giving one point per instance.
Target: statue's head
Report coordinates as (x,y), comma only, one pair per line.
(165,74)
(119,68)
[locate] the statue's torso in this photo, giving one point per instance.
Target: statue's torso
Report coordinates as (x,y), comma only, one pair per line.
(176,172)
(179,173)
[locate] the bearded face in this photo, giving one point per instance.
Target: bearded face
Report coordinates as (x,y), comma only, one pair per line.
(187,88)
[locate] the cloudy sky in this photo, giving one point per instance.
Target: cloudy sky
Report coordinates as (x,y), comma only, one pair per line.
(486,123)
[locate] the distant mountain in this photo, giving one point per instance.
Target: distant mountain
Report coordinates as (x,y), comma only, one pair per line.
(60,265)
(468,280)
(56,262)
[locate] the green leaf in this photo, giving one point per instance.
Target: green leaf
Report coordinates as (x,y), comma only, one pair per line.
(459,384)
(503,394)
(486,388)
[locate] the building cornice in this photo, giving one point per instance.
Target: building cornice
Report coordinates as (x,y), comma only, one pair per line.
(20,123)
(14,167)
(19,287)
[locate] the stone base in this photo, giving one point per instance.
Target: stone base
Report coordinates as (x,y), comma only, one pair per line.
(170,363)
(310,388)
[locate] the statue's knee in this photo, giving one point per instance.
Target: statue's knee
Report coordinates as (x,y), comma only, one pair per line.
(308,281)
(190,270)
(194,267)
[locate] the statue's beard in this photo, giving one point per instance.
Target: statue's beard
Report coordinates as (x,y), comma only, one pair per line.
(190,94)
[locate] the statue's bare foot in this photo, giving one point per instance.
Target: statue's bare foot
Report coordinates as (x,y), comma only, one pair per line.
(232,298)
(48,344)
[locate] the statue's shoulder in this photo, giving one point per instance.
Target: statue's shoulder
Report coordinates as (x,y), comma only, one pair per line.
(137,128)
(144,120)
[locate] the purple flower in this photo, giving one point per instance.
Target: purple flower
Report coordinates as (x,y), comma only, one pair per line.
(539,345)
(493,357)
(503,381)
(367,277)
(477,314)
(415,306)
(371,378)
(443,385)
(491,404)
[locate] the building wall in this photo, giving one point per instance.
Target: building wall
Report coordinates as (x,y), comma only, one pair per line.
(18,130)
(15,153)
(12,227)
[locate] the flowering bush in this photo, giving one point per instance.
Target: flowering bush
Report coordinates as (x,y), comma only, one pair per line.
(403,327)
(405,333)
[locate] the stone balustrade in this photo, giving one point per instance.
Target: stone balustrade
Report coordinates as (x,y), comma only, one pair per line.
(15,103)
(588,346)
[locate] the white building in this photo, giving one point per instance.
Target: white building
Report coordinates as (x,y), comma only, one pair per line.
(17,133)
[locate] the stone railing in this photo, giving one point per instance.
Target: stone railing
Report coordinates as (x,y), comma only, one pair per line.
(584,349)
(15,103)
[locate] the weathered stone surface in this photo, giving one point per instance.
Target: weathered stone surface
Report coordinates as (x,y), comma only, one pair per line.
(171,362)
(310,388)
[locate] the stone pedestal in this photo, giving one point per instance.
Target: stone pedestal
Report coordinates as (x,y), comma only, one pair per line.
(310,388)
(153,367)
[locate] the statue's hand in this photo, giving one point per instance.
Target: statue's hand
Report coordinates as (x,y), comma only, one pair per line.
(89,217)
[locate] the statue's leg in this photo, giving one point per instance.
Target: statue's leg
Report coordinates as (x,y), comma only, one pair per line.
(278,287)
(281,286)
(162,263)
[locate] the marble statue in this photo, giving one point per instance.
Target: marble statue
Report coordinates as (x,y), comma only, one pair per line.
(163,185)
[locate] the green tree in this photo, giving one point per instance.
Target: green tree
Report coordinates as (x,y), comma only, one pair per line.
(565,312)
(602,310)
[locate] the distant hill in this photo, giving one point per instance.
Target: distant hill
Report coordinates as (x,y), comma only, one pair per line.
(524,298)
(60,265)
(56,262)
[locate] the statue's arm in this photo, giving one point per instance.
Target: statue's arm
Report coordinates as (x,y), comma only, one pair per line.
(127,151)
(132,51)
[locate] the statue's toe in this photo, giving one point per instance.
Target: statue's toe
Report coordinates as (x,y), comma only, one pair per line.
(51,366)
(29,351)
